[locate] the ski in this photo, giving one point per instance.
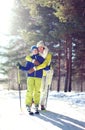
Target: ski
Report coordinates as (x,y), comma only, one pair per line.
(34,113)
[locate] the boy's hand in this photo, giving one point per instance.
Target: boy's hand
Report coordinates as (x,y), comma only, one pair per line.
(36,62)
(31,71)
(19,65)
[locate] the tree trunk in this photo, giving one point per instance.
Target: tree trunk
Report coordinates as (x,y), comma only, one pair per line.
(70,65)
(66,77)
(58,87)
(68,49)
(66,66)
(81,80)
(81,86)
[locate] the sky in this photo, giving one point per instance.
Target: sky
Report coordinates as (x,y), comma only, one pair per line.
(5,15)
(65,111)
(5,20)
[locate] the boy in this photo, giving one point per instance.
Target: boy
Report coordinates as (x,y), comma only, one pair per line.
(33,81)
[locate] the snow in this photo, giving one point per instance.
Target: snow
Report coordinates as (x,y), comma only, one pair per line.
(65,111)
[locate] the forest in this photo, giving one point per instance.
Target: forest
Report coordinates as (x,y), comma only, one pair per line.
(61,25)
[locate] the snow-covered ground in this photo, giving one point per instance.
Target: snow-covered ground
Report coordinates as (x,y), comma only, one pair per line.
(65,111)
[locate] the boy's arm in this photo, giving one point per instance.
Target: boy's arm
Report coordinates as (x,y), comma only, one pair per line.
(26,67)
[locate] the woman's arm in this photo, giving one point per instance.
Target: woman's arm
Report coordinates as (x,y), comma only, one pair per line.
(45,63)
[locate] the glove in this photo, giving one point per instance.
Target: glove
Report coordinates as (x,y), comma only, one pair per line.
(19,65)
(31,71)
(36,62)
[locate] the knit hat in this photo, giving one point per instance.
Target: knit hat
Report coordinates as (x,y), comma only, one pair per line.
(34,47)
(40,43)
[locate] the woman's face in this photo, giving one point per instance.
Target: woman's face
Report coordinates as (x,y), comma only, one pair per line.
(40,49)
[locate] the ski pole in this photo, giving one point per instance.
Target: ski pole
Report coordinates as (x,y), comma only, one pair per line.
(19,87)
(47,96)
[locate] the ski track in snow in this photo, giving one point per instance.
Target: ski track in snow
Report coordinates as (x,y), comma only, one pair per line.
(60,115)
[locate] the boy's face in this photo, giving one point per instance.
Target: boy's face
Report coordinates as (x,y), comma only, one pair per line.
(35,51)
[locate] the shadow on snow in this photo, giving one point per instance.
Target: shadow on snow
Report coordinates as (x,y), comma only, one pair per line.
(62,121)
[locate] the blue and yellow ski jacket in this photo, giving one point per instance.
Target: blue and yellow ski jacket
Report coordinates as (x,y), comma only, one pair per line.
(29,65)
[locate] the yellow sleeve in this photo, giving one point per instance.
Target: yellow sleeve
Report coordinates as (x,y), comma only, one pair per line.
(45,63)
(28,58)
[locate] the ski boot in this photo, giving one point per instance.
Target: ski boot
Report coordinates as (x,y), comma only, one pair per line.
(29,110)
(36,109)
(42,107)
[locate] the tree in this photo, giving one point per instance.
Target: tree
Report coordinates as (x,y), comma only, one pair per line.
(78,60)
(60,24)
